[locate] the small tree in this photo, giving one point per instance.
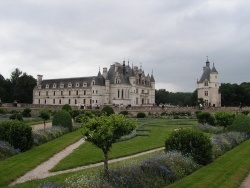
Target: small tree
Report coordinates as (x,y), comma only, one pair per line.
(105,130)
(45,115)
(107,110)
(67,107)
(62,118)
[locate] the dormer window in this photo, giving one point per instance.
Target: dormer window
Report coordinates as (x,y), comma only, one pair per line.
(69,84)
(93,82)
(77,84)
(39,86)
(61,85)
(84,84)
(206,83)
(47,85)
(54,85)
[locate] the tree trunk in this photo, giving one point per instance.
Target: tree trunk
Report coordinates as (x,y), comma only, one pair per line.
(106,172)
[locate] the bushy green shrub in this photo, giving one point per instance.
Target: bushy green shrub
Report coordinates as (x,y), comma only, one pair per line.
(67,107)
(26,112)
(108,110)
(210,129)
(16,116)
(205,117)
(2,111)
(124,112)
(241,123)
(17,133)
(224,118)
(96,113)
(141,115)
(62,118)
(75,113)
(245,112)
(191,142)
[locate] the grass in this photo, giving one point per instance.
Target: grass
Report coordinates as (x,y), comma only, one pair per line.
(18,165)
(88,153)
(229,171)
(90,171)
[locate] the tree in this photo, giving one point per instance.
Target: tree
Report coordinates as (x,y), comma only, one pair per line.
(105,130)
(45,115)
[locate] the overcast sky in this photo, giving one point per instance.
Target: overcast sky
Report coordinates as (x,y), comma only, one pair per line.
(171,38)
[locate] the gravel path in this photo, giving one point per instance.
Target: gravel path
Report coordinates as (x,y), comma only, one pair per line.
(42,171)
(41,126)
(246,182)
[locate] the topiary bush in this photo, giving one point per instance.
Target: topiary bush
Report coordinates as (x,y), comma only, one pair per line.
(16,116)
(107,110)
(224,118)
(141,115)
(16,133)
(67,107)
(205,117)
(191,142)
(241,123)
(26,112)
(62,118)
(124,112)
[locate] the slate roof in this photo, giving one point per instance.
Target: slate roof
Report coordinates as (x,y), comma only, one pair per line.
(206,72)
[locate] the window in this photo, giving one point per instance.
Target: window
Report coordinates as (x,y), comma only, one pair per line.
(45,101)
(39,87)
(61,85)
(122,94)
(96,91)
(206,83)
(84,92)
(47,93)
(206,93)
(142,91)
(93,82)
(54,101)
(69,92)
(54,85)
(61,92)
(77,84)
(69,85)
(84,84)
(77,93)
(118,94)
(54,93)
(47,85)
(39,93)
(75,101)
(60,101)
(69,101)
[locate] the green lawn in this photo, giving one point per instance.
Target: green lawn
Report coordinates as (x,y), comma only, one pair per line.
(228,171)
(88,153)
(18,165)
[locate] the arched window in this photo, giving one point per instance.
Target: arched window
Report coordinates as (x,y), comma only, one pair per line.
(122,94)
(118,94)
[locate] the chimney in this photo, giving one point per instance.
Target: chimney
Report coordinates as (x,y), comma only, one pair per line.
(39,79)
(105,72)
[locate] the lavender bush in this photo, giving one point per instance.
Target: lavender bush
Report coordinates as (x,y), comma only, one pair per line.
(6,150)
(209,129)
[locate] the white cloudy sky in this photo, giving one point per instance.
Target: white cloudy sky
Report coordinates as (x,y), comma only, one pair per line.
(73,38)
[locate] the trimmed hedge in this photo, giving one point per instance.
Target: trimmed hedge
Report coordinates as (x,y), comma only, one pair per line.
(141,115)
(62,118)
(224,118)
(241,123)
(191,142)
(17,133)
(107,110)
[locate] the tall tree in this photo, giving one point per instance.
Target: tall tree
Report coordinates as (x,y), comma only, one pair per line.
(105,130)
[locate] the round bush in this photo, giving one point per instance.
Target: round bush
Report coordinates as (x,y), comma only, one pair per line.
(191,142)
(141,115)
(67,107)
(62,118)
(205,117)
(107,110)
(16,116)
(124,112)
(26,112)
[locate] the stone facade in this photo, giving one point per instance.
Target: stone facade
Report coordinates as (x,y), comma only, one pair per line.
(208,87)
(120,85)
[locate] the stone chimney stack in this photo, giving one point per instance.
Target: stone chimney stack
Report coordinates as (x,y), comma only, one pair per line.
(39,79)
(105,72)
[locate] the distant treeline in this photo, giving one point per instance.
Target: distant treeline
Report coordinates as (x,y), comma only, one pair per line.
(231,95)
(19,87)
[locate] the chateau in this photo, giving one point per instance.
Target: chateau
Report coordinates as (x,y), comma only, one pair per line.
(208,87)
(120,85)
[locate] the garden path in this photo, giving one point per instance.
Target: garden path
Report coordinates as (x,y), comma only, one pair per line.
(41,126)
(42,171)
(246,182)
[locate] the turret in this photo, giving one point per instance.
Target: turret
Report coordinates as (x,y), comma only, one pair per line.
(39,79)
(104,72)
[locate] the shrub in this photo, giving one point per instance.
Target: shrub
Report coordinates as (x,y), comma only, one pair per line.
(191,142)
(2,111)
(17,133)
(44,135)
(6,150)
(16,116)
(141,115)
(26,112)
(209,129)
(75,113)
(67,107)
(107,110)
(241,123)
(224,118)
(124,112)
(205,117)
(62,118)
(245,112)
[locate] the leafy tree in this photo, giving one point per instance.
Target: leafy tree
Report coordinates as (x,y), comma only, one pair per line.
(105,130)
(62,118)
(67,107)
(45,115)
